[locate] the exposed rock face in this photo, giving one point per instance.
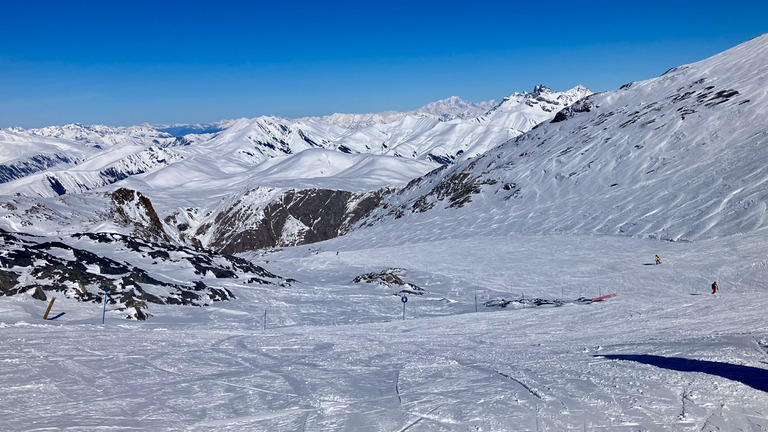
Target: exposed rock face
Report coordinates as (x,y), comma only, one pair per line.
(8,281)
(297,217)
(584,105)
(451,191)
(31,165)
(133,208)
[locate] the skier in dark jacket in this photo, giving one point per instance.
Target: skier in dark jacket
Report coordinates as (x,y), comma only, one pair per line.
(714,287)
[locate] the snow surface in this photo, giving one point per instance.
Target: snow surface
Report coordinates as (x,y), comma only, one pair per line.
(664,354)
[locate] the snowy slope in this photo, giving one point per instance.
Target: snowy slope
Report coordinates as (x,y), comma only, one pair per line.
(336,355)
(329,169)
(678,157)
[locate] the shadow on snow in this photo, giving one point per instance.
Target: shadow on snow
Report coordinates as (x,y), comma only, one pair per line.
(754,377)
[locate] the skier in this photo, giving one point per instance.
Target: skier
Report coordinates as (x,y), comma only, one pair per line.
(658,260)
(714,287)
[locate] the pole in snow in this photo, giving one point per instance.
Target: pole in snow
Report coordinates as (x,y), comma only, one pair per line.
(265,319)
(47,311)
(404,299)
(104,311)
(475,301)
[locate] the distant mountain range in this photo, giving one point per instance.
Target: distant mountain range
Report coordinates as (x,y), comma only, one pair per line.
(235,170)
(680,157)
(76,158)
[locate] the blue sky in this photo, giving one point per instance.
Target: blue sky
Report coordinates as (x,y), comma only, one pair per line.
(131,62)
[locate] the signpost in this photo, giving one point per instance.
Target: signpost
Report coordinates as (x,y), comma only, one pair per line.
(404,299)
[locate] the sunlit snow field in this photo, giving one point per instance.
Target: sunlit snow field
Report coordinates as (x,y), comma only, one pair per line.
(664,354)
(679,157)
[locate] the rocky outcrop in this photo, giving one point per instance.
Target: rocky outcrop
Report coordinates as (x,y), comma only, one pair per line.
(389,278)
(582,106)
(296,217)
(451,191)
(74,268)
(132,208)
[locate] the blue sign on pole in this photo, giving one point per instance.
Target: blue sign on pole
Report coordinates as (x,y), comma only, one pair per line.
(404,299)
(104,311)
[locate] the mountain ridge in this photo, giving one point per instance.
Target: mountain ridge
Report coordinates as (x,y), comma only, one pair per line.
(676,157)
(245,142)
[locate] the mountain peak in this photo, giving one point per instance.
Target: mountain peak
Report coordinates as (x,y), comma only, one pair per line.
(542,89)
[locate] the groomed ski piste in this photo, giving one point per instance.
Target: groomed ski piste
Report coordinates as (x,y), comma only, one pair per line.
(664,354)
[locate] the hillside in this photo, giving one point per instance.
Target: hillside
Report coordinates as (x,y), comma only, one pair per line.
(678,157)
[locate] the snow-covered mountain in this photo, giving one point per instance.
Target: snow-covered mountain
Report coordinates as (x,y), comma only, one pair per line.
(447,130)
(679,157)
(180,130)
(437,133)
(451,108)
(101,136)
(75,158)
(454,108)
(195,180)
